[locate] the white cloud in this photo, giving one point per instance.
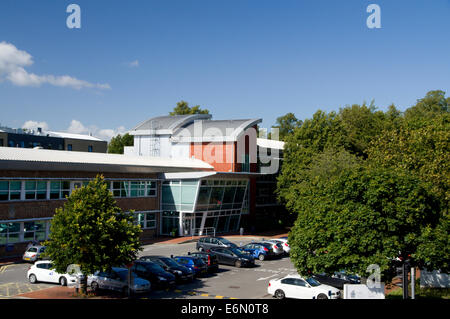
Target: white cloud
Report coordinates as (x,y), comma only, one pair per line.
(133,64)
(12,68)
(33,125)
(77,127)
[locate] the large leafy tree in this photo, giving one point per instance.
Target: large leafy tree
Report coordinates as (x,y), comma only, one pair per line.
(183,108)
(117,143)
(352,216)
(354,171)
(91,231)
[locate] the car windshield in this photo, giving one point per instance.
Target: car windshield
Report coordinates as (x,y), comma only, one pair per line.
(169,262)
(32,250)
(225,241)
(312,282)
(154,267)
(238,251)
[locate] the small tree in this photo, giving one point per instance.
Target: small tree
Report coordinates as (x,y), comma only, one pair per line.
(117,143)
(183,108)
(91,231)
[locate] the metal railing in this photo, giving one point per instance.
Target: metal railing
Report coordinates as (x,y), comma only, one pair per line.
(204,232)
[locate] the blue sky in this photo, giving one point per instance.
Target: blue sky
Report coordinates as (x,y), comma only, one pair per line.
(237,58)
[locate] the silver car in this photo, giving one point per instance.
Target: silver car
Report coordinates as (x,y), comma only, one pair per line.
(117,279)
(33,253)
(283,242)
(276,247)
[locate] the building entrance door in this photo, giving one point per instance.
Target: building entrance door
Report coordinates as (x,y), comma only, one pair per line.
(188,224)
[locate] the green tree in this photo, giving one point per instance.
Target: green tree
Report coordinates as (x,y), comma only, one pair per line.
(91,231)
(183,108)
(117,143)
(350,167)
(351,216)
(433,104)
(286,125)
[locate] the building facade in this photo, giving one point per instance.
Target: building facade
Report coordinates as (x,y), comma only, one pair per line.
(237,155)
(35,182)
(51,140)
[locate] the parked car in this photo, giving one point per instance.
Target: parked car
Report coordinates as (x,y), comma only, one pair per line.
(331,281)
(43,271)
(284,244)
(33,253)
(295,286)
(180,272)
(205,243)
(117,279)
(353,279)
(259,250)
(209,258)
(277,247)
(153,272)
(196,264)
(233,256)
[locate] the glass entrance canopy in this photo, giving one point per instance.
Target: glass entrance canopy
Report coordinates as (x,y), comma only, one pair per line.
(192,205)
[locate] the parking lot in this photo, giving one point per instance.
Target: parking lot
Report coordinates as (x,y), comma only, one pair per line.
(229,282)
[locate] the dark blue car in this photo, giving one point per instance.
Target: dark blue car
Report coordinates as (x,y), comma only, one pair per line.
(259,250)
(196,264)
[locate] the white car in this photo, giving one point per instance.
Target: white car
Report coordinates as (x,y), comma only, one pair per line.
(295,286)
(283,242)
(42,271)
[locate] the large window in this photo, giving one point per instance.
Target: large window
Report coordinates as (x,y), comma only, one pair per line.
(10,190)
(34,189)
(221,194)
(59,189)
(147,220)
(170,221)
(23,231)
(179,195)
(34,230)
(9,233)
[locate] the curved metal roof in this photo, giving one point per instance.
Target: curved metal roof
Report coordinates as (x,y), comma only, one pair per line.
(214,131)
(166,124)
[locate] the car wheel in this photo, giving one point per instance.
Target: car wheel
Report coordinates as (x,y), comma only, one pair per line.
(63,281)
(32,278)
(238,264)
(261,257)
(279,294)
(322,296)
(94,286)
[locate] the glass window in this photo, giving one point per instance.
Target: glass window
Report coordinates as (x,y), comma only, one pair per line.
(10,190)
(151,188)
(137,189)
(188,193)
(35,189)
(10,232)
(215,200)
(120,189)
